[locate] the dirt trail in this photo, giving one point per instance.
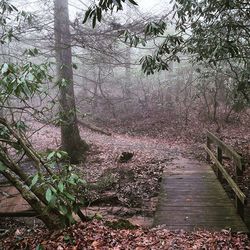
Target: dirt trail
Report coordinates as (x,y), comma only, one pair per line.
(108,148)
(49,137)
(153,148)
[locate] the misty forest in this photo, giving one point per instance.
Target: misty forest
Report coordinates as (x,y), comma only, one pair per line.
(124,124)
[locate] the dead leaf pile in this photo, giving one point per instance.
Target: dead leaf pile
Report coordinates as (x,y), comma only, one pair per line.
(95,235)
(134,184)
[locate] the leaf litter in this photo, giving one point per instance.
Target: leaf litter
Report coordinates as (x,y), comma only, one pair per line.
(126,180)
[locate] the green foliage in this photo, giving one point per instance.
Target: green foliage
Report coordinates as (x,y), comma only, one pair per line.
(20,125)
(63,187)
(4,132)
(22,81)
(9,13)
(31,52)
(34,180)
(70,240)
(56,155)
(3,167)
(39,247)
(219,28)
(215,32)
(155,28)
(133,39)
(208,31)
(19,80)
(62,83)
(62,193)
(95,11)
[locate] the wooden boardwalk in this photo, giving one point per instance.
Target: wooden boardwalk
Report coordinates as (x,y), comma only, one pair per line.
(192,198)
(12,203)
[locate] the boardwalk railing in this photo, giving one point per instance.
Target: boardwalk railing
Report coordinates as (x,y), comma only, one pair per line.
(240,198)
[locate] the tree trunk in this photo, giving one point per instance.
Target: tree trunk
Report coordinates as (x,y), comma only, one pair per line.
(128,74)
(70,137)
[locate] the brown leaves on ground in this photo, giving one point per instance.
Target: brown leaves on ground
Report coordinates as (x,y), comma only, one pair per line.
(96,235)
(149,159)
(132,184)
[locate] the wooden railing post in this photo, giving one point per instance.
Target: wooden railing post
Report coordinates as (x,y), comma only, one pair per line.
(243,166)
(239,206)
(239,168)
(219,157)
(209,146)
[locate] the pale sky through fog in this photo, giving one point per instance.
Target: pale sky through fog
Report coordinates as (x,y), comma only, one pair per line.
(145,6)
(153,6)
(150,6)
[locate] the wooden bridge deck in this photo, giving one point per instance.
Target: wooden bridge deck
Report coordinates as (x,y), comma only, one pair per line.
(192,198)
(12,203)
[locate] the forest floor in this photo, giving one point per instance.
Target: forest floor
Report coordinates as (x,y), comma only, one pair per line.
(119,190)
(129,190)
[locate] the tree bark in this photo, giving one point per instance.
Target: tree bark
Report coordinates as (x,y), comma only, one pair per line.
(70,136)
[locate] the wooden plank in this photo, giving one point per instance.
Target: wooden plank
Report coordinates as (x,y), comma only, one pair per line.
(193,228)
(230,181)
(197,209)
(209,227)
(12,203)
(200,214)
(25,213)
(190,198)
(223,223)
(195,203)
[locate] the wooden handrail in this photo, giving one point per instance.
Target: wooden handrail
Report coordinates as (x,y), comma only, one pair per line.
(228,150)
(228,178)
(240,197)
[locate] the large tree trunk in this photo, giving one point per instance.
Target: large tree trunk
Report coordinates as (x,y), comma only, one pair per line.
(70,137)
